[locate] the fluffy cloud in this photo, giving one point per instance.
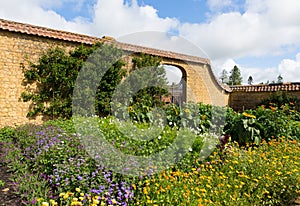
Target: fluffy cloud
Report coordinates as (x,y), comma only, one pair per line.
(289,69)
(32,12)
(116,18)
(264,27)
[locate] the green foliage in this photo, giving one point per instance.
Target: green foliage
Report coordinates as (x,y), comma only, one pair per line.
(244,128)
(224,77)
(6,133)
(281,98)
(55,74)
(264,175)
(47,160)
(235,77)
(1,184)
(253,126)
(150,82)
(250,80)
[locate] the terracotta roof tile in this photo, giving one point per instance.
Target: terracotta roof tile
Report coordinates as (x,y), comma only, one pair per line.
(295,86)
(80,38)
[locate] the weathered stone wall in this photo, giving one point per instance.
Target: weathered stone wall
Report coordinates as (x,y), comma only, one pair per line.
(15,50)
(201,86)
(240,101)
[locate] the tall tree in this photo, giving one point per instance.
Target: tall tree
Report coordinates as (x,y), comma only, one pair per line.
(235,77)
(250,80)
(224,77)
(279,79)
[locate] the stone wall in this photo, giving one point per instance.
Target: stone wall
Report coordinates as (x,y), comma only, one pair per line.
(242,100)
(23,42)
(201,85)
(15,51)
(18,48)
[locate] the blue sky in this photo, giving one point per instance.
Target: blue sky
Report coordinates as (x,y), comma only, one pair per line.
(261,37)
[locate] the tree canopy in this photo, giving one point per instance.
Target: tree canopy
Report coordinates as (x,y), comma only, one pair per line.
(235,77)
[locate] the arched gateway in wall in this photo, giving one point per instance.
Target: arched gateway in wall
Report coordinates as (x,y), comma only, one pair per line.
(20,41)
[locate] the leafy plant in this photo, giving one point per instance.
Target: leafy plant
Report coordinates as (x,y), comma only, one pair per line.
(281,98)
(2,183)
(263,123)
(55,74)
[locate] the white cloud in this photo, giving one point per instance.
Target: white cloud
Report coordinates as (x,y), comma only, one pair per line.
(218,4)
(115,18)
(289,69)
(264,28)
(31,12)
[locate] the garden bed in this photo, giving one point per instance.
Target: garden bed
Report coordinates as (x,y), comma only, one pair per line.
(52,164)
(8,196)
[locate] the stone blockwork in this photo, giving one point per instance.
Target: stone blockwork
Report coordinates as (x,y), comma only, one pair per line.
(248,97)
(23,42)
(15,51)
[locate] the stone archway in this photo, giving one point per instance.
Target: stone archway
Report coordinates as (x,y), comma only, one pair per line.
(176,77)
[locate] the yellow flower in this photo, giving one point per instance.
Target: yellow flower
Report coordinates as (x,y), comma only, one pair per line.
(247,195)
(208,186)
(285,157)
(134,186)
(62,194)
(53,202)
(39,199)
(45,204)
(249,115)
(76,203)
(77,190)
(145,191)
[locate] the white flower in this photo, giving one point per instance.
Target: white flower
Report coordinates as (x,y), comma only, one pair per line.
(159,137)
(190,149)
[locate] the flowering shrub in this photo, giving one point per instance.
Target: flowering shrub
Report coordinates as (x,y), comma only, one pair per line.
(264,175)
(253,126)
(52,167)
(48,161)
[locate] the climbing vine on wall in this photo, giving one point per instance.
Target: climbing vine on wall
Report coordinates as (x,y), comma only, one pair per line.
(54,76)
